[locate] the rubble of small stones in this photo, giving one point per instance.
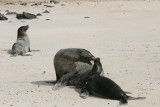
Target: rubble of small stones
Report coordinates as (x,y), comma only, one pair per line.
(48,6)
(46,11)
(54,1)
(37,4)
(26,15)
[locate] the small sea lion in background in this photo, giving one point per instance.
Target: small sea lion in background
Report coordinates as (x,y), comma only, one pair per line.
(71,66)
(94,84)
(22,44)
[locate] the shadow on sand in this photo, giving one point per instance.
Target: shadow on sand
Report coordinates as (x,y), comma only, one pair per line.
(76,88)
(79,88)
(11,53)
(8,51)
(49,82)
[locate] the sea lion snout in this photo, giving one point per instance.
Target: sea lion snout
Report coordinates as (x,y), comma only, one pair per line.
(89,60)
(94,58)
(23,29)
(26,27)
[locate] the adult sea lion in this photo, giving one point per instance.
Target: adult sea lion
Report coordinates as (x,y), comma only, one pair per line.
(71,66)
(94,84)
(22,45)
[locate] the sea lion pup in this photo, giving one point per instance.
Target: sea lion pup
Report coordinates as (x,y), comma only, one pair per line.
(94,84)
(71,66)
(22,44)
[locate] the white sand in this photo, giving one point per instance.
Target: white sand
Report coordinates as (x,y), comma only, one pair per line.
(124,34)
(12,1)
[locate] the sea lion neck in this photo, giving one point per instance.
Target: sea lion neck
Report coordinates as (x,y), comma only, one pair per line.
(21,34)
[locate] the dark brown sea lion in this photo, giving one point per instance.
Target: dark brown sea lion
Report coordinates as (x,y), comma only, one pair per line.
(94,84)
(71,66)
(22,45)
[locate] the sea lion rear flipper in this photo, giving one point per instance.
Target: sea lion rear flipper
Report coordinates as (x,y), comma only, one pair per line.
(127,92)
(135,98)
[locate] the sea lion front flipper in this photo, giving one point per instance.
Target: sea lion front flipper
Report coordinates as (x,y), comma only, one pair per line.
(127,92)
(59,85)
(22,54)
(135,98)
(84,93)
(30,50)
(123,101)
(63,81)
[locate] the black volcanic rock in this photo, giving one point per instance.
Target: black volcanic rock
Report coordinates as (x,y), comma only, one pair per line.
(26,15)
(46,11)
(2,17)
(39,14)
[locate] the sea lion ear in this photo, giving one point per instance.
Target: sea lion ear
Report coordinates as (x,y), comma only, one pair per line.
(20,29)
(23,28)
(83,52)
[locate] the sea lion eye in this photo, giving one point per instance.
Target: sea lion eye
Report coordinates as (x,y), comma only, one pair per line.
(80,52)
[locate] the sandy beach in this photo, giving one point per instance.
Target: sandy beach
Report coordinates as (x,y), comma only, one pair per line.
(124,34)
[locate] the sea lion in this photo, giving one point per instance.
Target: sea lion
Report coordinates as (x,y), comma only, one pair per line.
(22,45)
(71,66)
(94,84)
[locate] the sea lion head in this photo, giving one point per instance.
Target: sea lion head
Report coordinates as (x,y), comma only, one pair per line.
(96,70)
(97,61)
(85,56)
(22,30)
(97,67)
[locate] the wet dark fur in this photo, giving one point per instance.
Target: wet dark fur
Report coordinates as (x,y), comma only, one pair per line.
(103,86)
